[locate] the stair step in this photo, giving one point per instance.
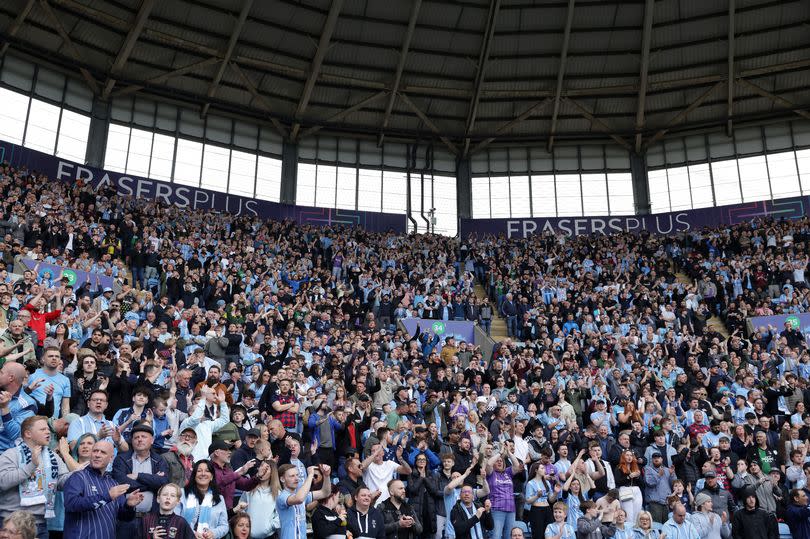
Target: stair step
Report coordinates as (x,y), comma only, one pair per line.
(714,322)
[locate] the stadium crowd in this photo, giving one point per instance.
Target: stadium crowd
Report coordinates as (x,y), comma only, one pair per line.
(248,379)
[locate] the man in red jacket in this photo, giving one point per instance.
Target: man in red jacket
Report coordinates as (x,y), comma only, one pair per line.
(38,317)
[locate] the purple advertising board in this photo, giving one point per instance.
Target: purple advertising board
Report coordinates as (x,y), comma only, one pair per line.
(461,330)
(196,198)
(76,277)
(660,223)
(799,321)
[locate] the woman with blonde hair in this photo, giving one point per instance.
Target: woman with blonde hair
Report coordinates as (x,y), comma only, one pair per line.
(260,503)
(644,527)
(19,524)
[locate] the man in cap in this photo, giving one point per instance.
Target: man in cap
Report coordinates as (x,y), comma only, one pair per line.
(180,458)
(102,302)
(434,410)
(658,481)
(226,477)
(142,469)
(721,499)
(246,451)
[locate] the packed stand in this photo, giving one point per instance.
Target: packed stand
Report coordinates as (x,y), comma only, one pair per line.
(244,378)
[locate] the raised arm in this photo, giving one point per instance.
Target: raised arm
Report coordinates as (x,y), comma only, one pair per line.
(573,469)
(326,488)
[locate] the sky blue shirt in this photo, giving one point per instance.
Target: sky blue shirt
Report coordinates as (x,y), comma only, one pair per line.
(61,388)
(293,518)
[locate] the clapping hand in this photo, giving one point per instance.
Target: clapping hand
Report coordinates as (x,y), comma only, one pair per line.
(118,490)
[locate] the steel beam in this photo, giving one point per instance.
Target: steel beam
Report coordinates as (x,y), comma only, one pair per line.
(342,114)
(781,101)
(403,54)
(260,99)
(226,58)
(450,92)
(429,123)
(16,24)
(561,73)
(71,47)
(127,46)
(531,111)
(483,59)
(646,40)
(730,96)
(317,61)
(600,123)
(681,116)
(160,79)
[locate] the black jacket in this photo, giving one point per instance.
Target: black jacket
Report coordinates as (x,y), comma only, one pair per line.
(463,524)
(325,522)
(391,515)
(756,523)
(372,524)
(423,494)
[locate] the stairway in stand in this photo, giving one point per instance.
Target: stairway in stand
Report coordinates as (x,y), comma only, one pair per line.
(498,328)
(715,322)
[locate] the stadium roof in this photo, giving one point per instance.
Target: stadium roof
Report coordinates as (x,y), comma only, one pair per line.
(468,72)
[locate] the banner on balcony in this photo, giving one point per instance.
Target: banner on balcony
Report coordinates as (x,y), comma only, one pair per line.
(660,223)
(799,321)
(461,330)
(196,198)
(75,276)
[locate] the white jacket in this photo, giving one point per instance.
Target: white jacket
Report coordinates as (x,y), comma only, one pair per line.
(205,429)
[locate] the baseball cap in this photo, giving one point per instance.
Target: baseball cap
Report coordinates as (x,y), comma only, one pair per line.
(140,427)
(218,444)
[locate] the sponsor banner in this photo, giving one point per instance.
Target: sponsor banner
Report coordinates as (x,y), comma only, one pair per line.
(196,198)
(76,277)
(799,321)
(462,331)
(660,223)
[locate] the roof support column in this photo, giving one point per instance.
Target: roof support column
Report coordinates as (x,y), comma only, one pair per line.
(289,172)
(646,40)
(561,73)
(730,88)
(97,136)
(464,188)
(641,185)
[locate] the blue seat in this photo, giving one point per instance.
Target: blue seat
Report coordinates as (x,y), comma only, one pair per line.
(784,531)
